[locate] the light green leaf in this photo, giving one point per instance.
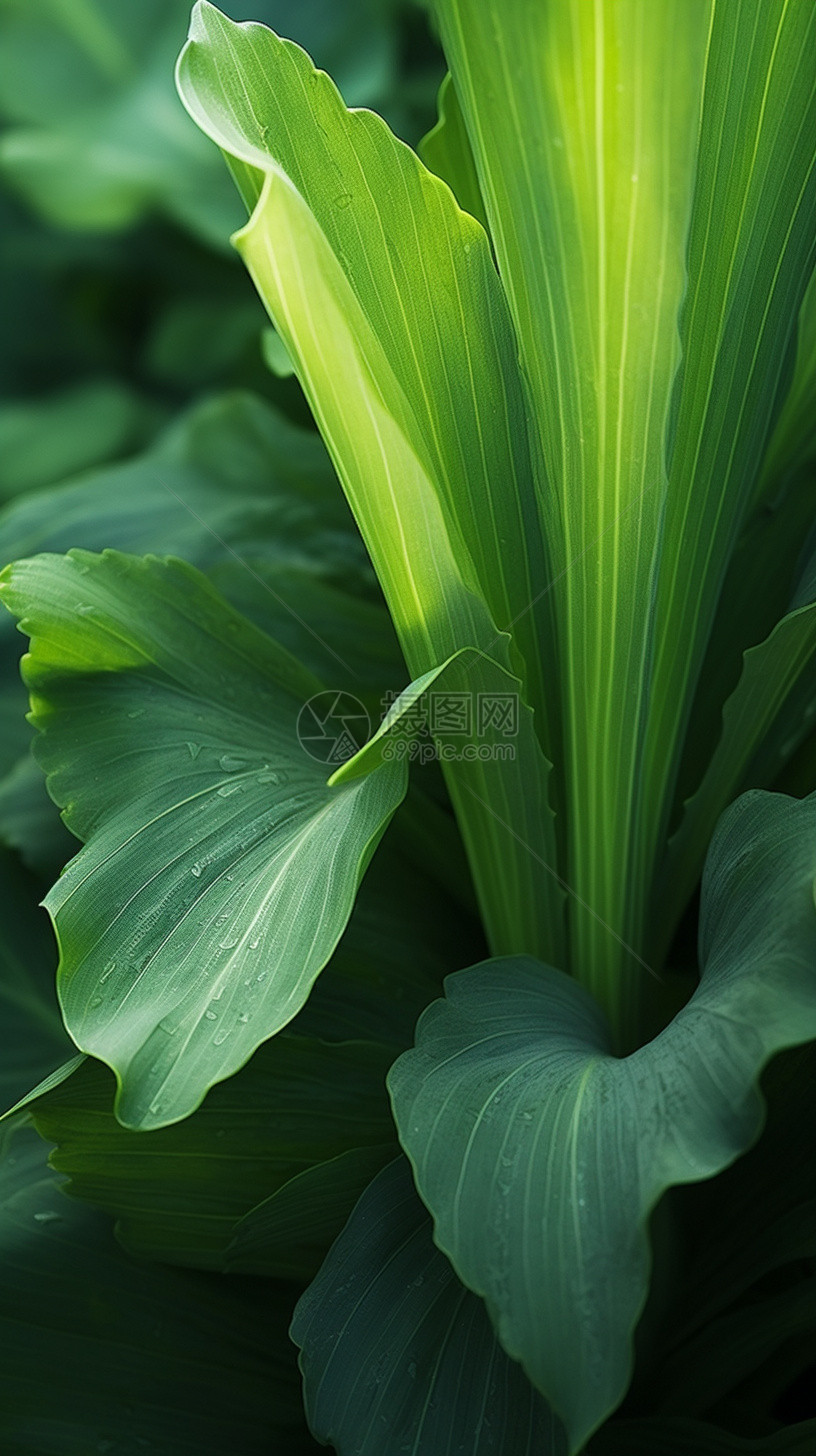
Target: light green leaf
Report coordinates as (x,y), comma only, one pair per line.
(277,1130)
(446,151)
(397,1356)
(220,869)
(583,120)
(541,1155)
(101,1353)
(386,297)
(416,354)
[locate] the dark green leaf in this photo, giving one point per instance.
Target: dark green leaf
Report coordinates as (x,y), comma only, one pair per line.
(398,1356)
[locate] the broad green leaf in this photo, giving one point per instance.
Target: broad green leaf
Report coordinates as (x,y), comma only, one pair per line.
(528,1136)
(236,489)
(33,1040)
(583,120)
(674,1436)
(397,1356)
(101,1353)
(387,300)
(279,1126)
(446,151)
(220,869)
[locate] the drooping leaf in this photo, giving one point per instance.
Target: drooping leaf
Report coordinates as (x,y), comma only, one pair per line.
(541,1155)
(387,300)
(278,1127)
(101,1353)
(220,869)
(397,1356)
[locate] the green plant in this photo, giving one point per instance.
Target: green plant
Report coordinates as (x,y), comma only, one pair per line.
(556,368)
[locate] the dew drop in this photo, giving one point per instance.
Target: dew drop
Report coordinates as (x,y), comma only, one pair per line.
(211,1015)
(95,1001)
(48,1217)
(107,972)
(228,942)
(243,1018)
(85,611)
(227,789)
(255,942)
(194,748)
(221,1035)
(196,870)
(343,200)
(231,762)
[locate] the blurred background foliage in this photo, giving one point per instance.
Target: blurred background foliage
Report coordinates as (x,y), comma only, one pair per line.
(123,297)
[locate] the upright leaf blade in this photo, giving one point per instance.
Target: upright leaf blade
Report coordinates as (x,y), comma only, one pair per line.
(583,120)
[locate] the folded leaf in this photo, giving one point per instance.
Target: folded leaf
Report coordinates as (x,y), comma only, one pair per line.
(220,869)
(397,1356)
(541,1155)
